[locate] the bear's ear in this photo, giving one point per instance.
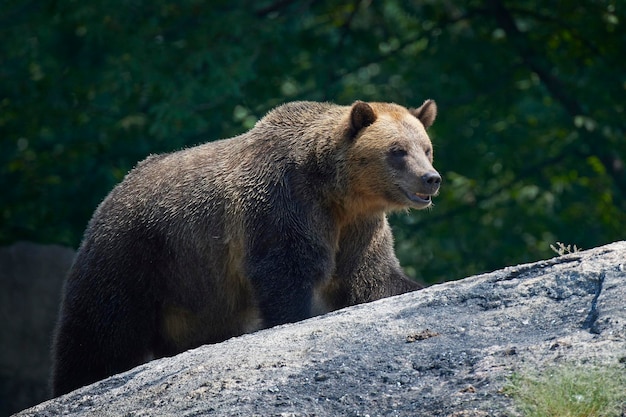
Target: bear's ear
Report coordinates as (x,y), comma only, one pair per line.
(361,116)
(426,113)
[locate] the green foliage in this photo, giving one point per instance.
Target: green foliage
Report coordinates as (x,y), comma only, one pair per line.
(570,391)
(530,137)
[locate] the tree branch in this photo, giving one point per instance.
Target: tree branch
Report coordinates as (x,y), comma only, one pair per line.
(274,7)
(611,161)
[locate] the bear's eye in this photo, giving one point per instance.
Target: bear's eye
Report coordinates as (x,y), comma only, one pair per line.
(398,152)
(428,152)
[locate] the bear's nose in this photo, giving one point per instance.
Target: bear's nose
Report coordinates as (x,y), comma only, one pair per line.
(431,181)
(431,178)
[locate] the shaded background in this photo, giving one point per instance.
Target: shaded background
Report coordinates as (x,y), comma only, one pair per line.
(530,137)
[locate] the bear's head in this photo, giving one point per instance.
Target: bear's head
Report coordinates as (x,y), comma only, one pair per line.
(390,156)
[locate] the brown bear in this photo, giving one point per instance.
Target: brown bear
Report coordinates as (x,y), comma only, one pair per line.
(276,225)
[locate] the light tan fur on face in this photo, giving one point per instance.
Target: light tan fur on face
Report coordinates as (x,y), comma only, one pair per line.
(373,185)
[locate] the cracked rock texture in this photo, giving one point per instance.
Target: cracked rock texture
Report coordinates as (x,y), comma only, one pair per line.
(443,351)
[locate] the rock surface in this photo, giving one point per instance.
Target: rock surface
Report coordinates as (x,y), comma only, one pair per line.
(31,277)
(443,351)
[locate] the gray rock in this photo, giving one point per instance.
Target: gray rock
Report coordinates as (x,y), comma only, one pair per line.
(31,277)
(443,351)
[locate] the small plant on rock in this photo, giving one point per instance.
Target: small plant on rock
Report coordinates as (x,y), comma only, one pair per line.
(561,249)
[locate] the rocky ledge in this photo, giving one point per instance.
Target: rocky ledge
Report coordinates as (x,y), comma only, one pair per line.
(444,351)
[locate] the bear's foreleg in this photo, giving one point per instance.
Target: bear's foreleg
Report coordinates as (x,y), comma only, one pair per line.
(284,269)
(367,265)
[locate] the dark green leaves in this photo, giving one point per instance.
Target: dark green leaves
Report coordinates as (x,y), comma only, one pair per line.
(529,138)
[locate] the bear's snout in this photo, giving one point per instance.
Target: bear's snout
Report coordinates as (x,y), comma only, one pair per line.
(431,182)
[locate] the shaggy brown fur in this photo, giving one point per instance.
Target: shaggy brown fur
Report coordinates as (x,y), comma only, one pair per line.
(269,227)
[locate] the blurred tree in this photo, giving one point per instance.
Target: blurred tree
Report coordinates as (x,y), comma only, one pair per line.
(530,137)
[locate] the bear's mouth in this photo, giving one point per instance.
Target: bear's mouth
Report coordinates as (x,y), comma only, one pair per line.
(419,198)
(422,197)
